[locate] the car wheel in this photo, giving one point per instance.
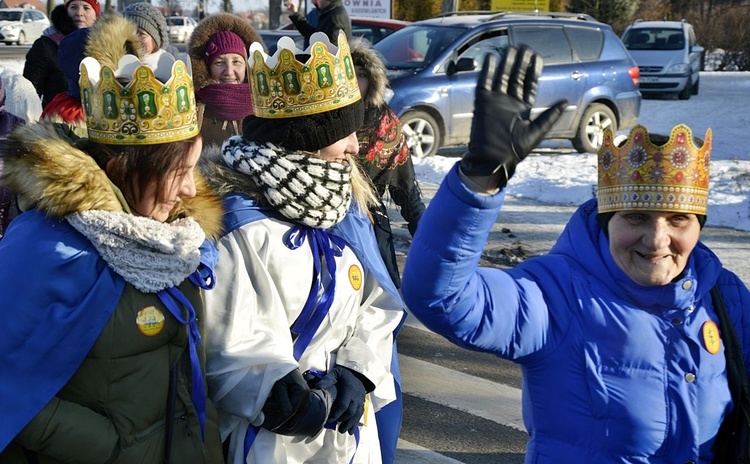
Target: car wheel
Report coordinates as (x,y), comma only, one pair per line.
(596,118)
(21,38)
(422,133)
(686,92)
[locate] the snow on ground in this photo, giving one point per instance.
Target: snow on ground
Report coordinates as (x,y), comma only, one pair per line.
(556,174)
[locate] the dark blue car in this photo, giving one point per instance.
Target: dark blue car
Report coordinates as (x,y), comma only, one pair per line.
(434,64)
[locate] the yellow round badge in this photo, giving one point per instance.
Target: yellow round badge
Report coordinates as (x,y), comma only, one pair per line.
(355,276)
(150,321)
(711,337)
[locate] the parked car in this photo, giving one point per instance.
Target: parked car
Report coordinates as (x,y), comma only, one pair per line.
(434,65)
(21,25)
(272,36)
(180,28)
(372,29)
(668,56)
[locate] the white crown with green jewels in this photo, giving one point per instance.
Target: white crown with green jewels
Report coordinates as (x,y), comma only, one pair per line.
(283,87)
(135,105)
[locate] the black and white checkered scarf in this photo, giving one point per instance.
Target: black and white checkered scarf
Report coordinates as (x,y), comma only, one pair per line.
(303,188)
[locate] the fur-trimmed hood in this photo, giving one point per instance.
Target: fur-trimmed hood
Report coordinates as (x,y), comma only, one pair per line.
(111,37)
(46,168)
(364,56)
(203,31)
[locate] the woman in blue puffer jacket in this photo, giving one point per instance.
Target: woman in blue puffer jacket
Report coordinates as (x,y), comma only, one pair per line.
(615,329)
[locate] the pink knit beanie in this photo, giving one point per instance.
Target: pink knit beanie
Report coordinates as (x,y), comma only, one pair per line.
(224,42)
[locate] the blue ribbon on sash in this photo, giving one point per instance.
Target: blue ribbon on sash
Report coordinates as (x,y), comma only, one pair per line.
(326,246)
(314,311)
(198,393)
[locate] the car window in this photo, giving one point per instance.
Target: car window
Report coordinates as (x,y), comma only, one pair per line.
(653,38)
(416,47)
(10,15)
(363,31)
(550,42)
(176,21)
(587,41)
(477,48)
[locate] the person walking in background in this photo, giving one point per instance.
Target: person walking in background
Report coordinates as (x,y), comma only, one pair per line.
(8,122)
(101,278)
(623,329)
(332,19)
(384,154)
(152,30)
(42,67)
(66,106)
(301,325)
(218,53)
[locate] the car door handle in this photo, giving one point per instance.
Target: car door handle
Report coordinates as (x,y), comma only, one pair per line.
(577,75)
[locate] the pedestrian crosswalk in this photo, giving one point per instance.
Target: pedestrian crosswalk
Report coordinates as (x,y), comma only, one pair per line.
(453,413)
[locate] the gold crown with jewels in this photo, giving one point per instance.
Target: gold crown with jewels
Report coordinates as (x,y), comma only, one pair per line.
(283,87)
(640,175)
(135,105)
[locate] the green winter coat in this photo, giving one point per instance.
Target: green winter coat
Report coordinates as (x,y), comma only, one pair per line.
(120,393)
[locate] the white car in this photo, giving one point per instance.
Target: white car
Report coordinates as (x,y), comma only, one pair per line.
(180,28)
(21,25)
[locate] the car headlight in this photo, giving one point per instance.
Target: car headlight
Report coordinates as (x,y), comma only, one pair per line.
(8,27)
(388,95)
(678,68)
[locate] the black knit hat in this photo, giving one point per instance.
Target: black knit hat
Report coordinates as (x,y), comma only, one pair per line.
(308,133)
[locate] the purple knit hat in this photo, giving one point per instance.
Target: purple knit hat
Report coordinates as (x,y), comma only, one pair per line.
(224,42)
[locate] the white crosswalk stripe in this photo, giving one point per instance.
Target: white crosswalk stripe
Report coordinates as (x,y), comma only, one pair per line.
(489,400)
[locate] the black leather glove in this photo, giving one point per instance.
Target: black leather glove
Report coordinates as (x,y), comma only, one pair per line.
(349,390)
(502,133)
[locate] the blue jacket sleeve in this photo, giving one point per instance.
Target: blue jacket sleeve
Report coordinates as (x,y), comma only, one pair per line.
(484,309)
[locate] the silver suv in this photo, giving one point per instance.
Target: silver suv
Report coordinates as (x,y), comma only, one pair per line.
(668,56)
(433,67)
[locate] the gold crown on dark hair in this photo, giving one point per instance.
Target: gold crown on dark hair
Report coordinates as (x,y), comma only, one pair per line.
(640,175)
(135,105)
(283,87)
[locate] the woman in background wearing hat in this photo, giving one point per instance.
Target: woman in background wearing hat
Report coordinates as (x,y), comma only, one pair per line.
(218,54)
(152,30)
(384,154)
(42,67)
(301,327)
(617,329)
(100,345)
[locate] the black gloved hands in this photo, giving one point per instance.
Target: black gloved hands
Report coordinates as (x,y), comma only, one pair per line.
(349,390)
(292,408)
(288,395)
(502,133)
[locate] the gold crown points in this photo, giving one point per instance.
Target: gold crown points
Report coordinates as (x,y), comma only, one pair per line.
(645,176)
(146,110)
(283,87)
